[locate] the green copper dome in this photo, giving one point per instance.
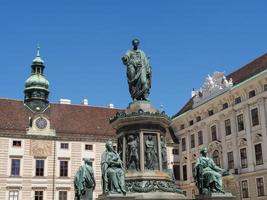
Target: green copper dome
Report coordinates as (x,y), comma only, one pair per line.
(36,81)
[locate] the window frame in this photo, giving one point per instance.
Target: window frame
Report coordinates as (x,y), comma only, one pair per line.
(262,192)
(244,160)
(213,131)
(15,170)
(184,144)
(230,160)
(200,135)
(64,193)
(38,195)
(240,122)
(192,142)
(63,170)
(227,127)
(91,145)
(259,161)
(255,121)
(246,189)
(64,145)
(38,170)
(14,196)
(16,146)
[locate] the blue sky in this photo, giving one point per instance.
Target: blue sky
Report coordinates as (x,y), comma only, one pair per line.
(82,43)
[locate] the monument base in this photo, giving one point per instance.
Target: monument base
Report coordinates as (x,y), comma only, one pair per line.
(141,196)
(216,196)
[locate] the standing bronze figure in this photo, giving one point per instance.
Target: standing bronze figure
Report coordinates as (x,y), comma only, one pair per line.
(84,181)
(133,157)
(138,72)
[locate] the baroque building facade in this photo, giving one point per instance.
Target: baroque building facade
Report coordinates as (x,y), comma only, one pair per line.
(42,144)
(228,115)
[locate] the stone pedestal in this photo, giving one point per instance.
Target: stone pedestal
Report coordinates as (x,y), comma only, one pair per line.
(141,132)
(216,196)
(141,196)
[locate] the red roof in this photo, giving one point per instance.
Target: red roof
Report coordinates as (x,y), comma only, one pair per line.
(73,119)
(256,66)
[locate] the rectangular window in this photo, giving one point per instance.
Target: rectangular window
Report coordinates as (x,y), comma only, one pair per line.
(258,154)
(211,112)
(255,117)
(89,147)
(198,118)
(176,172)
(193,166)
(251,93)
(260,187)
(182,126)
(64,145)
(191,122)
(192,141)
(15,167)
(243,155)
(224,106)
(244,187)
(14,195)
(175,151)
(62,195)
(183,144)
(63,168)
(230,158)
(16,143)
(213,133)
(240,122)
(227,124)
(39,169)
(237,100)
(184,172)
(38,195)
(200,137)
(265,87)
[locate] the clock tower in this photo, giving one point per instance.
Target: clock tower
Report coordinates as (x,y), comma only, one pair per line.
(36,86)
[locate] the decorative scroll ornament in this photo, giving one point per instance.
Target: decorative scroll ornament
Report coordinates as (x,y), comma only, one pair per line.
(213,86)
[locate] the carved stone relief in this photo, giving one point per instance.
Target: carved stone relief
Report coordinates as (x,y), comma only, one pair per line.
(41,148)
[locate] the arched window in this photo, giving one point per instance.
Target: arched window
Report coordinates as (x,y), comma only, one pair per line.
(216,158)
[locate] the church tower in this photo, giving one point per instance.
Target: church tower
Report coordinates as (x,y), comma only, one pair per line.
(36,86)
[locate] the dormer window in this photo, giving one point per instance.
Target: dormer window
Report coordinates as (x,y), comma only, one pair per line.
(237,100)
(251,93)
(225,105)
(191,122)
(210,112)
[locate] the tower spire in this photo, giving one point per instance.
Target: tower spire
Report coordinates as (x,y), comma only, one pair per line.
(38,58)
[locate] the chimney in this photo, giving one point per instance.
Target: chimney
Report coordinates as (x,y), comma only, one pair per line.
(85,102)
(65,101)
(111,105)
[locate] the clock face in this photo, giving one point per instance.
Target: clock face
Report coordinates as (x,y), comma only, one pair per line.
(41,123)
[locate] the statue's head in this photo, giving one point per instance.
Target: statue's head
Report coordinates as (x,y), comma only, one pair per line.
(109,145)
(87,161)
(204,150)
(149,137)
(162,138)
(135,43)
(130,137)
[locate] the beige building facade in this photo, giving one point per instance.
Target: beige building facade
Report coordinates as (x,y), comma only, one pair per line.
(228,114)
